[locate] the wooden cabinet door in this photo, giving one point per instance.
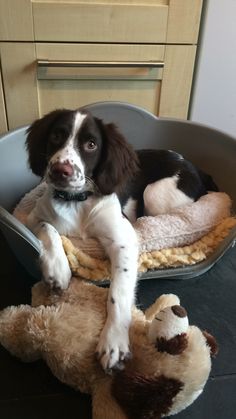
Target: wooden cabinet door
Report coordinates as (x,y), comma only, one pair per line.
(100,21)
(41,77)
(20,82)
(43,44)
(129,73)
(129,21)
(177,81)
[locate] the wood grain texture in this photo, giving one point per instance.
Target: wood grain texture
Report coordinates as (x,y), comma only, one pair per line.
(183,21)
(177,81)
(20,84)
(89,22)
(16,23)
(75,93)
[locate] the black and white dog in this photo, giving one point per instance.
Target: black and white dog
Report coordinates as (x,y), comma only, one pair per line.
(93,178)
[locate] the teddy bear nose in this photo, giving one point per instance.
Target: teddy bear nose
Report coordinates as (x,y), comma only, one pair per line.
(61,171)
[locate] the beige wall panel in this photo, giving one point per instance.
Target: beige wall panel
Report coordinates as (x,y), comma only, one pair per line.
(73,94)
(177,80)
(16,22)
(19,77)
(87,22)
(183,21)
(3,119)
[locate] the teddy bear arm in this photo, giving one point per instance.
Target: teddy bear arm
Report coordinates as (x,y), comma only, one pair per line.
(162,302)
(15,333)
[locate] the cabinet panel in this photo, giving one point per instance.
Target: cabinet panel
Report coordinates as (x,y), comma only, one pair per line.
(3,119)
(154,21)
(183,21)
(79,86)
(177,80)
(71,94)
(16,22)
(139,51)
(20,83)
(34,97)
(163,91)
(102,52)
(100,22)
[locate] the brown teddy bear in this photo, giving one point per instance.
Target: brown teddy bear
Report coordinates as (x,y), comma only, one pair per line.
(170,361)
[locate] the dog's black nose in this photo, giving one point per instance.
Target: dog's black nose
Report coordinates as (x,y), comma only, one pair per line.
(60,171)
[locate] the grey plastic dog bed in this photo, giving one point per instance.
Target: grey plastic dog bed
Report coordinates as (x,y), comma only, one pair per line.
(211,150)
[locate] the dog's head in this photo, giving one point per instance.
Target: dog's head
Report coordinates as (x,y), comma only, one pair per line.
(68,147)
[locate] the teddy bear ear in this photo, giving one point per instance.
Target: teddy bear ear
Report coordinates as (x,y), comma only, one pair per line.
(211,342)
(144,397)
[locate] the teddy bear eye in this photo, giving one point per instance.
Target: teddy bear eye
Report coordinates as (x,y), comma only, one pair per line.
(90,145)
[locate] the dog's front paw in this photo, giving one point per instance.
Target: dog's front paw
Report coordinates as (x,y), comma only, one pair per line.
(56,270)
(113,347)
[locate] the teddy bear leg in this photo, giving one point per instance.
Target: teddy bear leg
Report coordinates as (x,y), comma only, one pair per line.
(103,404)
(13,332)
(165,300)
(43,294)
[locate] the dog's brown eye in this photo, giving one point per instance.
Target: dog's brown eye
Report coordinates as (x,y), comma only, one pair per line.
(90,145)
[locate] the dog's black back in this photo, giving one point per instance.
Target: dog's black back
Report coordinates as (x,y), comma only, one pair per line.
(155,165)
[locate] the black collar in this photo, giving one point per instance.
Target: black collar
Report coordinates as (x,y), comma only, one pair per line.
(69,196)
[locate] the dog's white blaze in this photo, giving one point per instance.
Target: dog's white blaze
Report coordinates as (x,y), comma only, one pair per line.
(162,196)
(69,153)
(79,118)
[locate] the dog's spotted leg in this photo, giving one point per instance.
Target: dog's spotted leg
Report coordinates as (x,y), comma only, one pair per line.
(120,242)
(53,261)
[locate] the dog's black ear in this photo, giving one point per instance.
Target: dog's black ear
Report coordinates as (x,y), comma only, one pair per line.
(119,161)
(36,141)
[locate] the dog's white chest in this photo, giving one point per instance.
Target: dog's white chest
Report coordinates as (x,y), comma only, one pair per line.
(68,218)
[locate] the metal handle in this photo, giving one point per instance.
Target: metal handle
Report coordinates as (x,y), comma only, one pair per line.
(60,63)
(125,70)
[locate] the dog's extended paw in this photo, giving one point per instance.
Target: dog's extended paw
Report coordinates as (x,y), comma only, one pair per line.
(55,269)
(113,347)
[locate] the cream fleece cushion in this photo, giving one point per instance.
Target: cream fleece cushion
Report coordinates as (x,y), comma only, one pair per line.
(184,225)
